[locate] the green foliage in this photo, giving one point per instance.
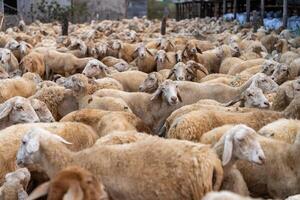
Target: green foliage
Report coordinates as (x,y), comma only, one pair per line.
(156,9)
(51,11)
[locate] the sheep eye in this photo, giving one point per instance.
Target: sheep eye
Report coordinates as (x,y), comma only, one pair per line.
(94,66)
(241,139)
(264,81)
(18,107)
(250,95)
(23,142)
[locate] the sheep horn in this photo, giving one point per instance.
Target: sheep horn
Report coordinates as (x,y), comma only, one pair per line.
(201,68)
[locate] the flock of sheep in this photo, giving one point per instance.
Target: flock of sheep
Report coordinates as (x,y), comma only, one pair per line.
(117,111)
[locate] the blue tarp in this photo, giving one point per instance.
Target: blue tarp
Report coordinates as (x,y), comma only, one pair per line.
(272,21)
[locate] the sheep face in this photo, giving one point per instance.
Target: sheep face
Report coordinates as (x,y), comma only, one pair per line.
(165,44)
(254,97)
(20,176)
(161,57)
(169,91)
(265,83)
(24,47)
(179,71)
(235,50)
(150,84)
(27,64)
(240,143)
(18,110)
(281,73)
(121,66)
(5,55)
(191,48)
(95,68)
(179,56)
(268,67)
(142,51)
(74,83)
(28,154)
(12,45)
(42,111)
(296,87)
(116,45)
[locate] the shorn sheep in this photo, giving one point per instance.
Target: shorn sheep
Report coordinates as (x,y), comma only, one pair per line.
(155,180)
(71,183)
(81,136)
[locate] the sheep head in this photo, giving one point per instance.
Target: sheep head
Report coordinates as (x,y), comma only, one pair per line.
(281,73)
(240,143)
(19,177)
(18,110)
(265,83)
(151,83)
(95,68)
(78,184)
(252,97)
(268,67)
(192,68)
(5,55)
(169,91)
(28,153)
(141,51)
(179,71)
(42,111)
(161,57)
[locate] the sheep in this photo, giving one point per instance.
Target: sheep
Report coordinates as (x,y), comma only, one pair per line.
(285,94)
(152,109)
(97,69)
(15,185)
(187,126)
(105,122)
(59,100)
(214,135)
(206,173)
(82,136)
(282,73)
(282,129)
(245,65)
(72,182)
(161,44)
(229,63)
(196,46)
(238,143)
(82,48)
(34,62)
(104,103)
(145,60)
(288,57)
(122,50)
(279,176)
(165,60)
(118,64)
(62,63)
(269,42)
(8,60)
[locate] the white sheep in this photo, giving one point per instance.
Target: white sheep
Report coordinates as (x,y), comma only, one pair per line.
(198,170)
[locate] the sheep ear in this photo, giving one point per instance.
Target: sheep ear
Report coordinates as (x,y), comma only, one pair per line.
(201,68)
(5,108)
(74,193)
(228,148)
(199,50)
(158,44)
(40,191)
(149,52)
(60,139)
(170,74)
(172,45)
(156,94)
(232,102)
(167,58)
(178,95)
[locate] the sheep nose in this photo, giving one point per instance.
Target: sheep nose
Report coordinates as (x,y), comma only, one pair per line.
(267,103)
(174,99)
(180,78)
(141,88)
(19,163)
(261,159)
(273,78)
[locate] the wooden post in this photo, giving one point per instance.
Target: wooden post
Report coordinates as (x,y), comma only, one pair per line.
(224,7)
(234,8)
(262,12)
(200,11)
(248,11)
(285,13)
(177,12)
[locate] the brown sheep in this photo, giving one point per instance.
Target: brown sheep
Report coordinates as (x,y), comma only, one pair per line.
(34,62)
